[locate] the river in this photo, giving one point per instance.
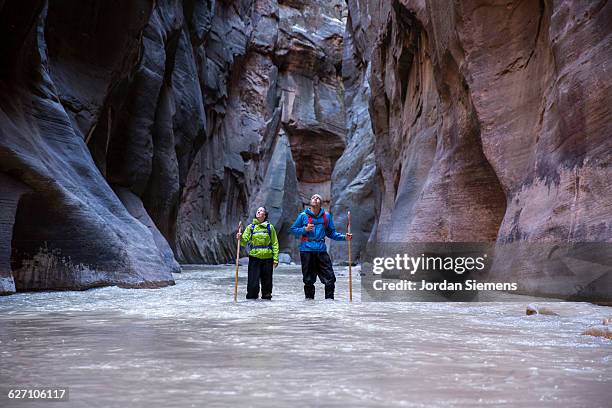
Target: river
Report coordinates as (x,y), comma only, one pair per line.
(189,345)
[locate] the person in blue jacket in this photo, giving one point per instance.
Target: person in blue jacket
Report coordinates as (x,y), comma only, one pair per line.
(312,226)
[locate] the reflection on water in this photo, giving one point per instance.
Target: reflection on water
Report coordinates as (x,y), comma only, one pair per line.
(189,345)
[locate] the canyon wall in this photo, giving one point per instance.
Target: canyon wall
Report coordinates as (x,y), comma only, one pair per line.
(65,75)
(135,134)
(277,123)
(491,121)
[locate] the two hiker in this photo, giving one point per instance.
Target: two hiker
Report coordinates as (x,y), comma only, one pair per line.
(312,226)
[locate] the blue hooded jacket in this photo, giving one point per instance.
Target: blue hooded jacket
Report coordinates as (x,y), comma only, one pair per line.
(316,237)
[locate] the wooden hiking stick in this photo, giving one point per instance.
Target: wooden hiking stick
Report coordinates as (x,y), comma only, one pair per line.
(237,260)
(349,260)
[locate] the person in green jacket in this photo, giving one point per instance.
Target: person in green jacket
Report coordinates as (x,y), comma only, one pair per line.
(260,236)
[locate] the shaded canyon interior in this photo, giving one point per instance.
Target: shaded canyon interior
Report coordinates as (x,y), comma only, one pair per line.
(136,135)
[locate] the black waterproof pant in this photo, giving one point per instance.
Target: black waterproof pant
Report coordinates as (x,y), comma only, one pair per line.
(317,264)
(260,270)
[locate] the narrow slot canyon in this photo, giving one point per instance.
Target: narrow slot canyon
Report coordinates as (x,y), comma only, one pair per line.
(174,121)
(462,149)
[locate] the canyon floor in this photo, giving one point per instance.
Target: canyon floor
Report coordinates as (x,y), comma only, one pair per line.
(189,345)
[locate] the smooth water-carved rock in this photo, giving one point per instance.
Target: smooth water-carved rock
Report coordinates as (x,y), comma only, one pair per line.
(70,230)
(135,135)
(481,138)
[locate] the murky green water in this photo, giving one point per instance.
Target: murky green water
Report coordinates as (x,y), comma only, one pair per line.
(189,345)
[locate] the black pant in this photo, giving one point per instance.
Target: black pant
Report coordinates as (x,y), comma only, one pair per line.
(317,264)
(260,269)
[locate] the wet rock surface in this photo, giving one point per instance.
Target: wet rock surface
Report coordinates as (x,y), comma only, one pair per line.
(599,331)
(534,310)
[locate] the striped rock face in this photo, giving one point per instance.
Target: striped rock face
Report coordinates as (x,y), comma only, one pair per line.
(490,121)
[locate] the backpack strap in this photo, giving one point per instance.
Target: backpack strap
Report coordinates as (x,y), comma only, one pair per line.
(252,226)
(258,232)
(305,238)
(268,231)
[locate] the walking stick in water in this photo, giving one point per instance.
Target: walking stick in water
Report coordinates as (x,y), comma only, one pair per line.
(349,260)
(237,260)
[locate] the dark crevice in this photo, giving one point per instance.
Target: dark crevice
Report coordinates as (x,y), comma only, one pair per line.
(537,36)
(408,27)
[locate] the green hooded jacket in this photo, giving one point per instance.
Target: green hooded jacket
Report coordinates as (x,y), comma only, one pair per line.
(261,238)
